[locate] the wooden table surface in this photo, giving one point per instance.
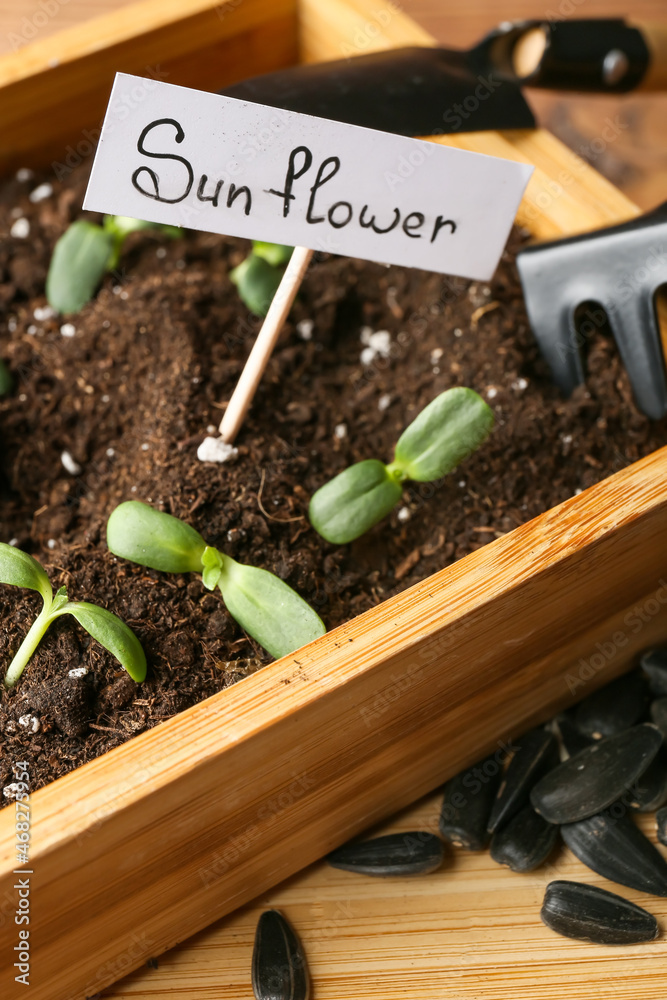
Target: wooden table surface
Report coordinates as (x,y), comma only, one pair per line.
(635,158)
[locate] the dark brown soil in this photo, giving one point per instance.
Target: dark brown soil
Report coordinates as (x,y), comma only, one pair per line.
(149,368)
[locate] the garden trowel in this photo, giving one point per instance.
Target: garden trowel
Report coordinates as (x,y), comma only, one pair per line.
(614,274)
(438,91)
(408,91)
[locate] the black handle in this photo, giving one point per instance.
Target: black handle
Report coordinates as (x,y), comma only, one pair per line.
(600,55)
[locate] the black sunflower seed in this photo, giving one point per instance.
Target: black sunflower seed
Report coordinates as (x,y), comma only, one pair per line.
(659,715)
(279,969)
(616,849)
(613,708)
(597,776)
(525,842)
(572,739)
(588,913)
(536,753)
(654,664)
(649,791)
(413,853)
(467,802)
(661,823)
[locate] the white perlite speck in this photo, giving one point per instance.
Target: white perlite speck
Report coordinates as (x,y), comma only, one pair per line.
(42,313)
(69,464)
(51,544)
(68,329)
(111,452)
(24,174)
(30,722)
(78,672)
(384,402)
(340,431)
(305,329)
(161,252)
(20,229)
(378,344)
(13,541)
(520,384)
(436,354)
(491,393)
(41,192)
(11,791)
(403,514)
(216,450)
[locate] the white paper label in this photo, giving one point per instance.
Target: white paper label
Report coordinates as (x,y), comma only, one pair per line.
(187,158)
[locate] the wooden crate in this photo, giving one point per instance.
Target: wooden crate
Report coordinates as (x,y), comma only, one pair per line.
(142,848)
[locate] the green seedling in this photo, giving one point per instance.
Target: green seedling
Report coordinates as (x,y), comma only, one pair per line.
(270,611)
(446,431)
(84,253)
(258,276)
(6,380)
(19,569)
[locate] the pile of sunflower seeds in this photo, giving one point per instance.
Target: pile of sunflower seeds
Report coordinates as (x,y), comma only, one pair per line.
(581,778)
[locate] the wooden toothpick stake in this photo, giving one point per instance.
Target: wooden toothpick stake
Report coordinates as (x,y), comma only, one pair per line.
(246,387)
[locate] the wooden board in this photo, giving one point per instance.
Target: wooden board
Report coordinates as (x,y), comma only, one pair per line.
(470,931)
(170,832)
